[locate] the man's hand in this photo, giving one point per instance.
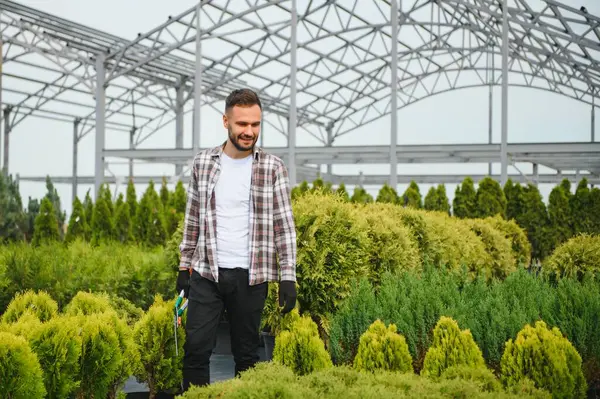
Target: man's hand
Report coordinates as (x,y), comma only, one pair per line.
(183,282)
(287,296)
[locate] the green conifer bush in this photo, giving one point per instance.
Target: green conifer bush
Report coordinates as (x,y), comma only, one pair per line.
(451,347)
(21,375)
(39,304)
(382,348)
(547,358)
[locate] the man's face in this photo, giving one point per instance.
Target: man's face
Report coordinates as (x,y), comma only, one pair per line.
(243,126)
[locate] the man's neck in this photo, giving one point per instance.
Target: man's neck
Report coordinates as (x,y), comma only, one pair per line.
(234,153)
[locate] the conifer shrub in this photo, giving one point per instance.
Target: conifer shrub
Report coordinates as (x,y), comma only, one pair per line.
(497,246)
(383,348)
(154,335)
(351,320)
(451,347)
(272,380)
(483,377)
(393,247)
(79,226)
(521,247)
(46,224)
(101,356)
(57,344)
(20,371)
(299,347)
(577,257)
(39,304)
(333,248)
(26,325)
(547,358)
(87,303)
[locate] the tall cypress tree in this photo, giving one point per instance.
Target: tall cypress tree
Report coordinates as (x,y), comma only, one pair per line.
(580,208)
(12,217)
(342,192)
(534,219)
(131,198)
(431,200)
(412,196)
(78,224)
(103,225)
(559,215)
(514,200)
(490,198)
(123,224)
(387,194)
(46,226)
(464,204)
(149,227)
(361,196)
(52,195)
(164,193)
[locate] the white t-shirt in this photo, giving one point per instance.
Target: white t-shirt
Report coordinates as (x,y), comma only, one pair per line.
(232,194)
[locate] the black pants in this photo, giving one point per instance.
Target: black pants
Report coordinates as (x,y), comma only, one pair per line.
(207,300)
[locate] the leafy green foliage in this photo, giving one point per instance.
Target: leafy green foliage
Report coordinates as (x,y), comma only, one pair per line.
(39,304)
(521,248)
(497,246)
(12,217)
(412,196)
(78,224)
(383,348)
(361,196)
(131,199)
(46,226)
(154,335)
(544,356)
(123,223)
(175,209)
(437,200)
(272,380)
(103,223)
(387,194)
(515,201)
(54,198)
(577,257)
(299,347)
(57,344)
(333,248)
(490,199)
(149,228)
(464,204)
(559,215)
(342,192)
(580,208)
(451,347)
(20,372)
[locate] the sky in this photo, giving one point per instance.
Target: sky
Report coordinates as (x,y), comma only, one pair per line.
(39,147)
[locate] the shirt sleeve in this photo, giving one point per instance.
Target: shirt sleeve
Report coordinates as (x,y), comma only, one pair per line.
(191,226)
(283,223)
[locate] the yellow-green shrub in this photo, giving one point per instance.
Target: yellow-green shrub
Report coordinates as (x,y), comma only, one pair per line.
(272,380)
(101,355)
(20,371)
(299,347)
(451,347)
(333,249)
(497,246)
(393,247)
(57,344)
(382,348)
(547,358)
(27,323)
(481,376)
(88,303)
(39,304)
(578,256)
(521,247)
(154,334)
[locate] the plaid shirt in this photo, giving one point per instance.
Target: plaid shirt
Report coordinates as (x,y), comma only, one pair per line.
(272,228)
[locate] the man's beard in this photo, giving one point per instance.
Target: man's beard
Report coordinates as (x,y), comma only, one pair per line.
(236,143)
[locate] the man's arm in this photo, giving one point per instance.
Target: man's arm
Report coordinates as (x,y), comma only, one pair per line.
(283,221)
(191,226)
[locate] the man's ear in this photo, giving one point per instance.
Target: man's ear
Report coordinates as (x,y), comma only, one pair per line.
(225,121)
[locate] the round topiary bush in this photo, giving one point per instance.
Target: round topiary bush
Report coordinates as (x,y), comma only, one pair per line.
(20,371)
(547,358)
(521,247)
(382,348)
(577,257)
(497,246)
(451,347)
(39,304)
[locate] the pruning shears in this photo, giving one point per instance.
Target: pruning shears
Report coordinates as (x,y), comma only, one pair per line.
(177,316)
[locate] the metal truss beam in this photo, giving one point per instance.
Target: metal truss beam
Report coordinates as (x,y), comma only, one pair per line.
(350,180)
(563,155)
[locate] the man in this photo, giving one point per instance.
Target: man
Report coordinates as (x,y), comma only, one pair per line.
(238,224)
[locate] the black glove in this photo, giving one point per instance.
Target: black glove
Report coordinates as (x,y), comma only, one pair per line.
(287,296)
(183,282)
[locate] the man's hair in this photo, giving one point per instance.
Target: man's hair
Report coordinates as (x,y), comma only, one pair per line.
(242,98)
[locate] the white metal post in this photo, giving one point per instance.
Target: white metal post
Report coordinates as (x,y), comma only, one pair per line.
(394,99)
(293,120)
(504,140)
(197,84)
(100,124)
